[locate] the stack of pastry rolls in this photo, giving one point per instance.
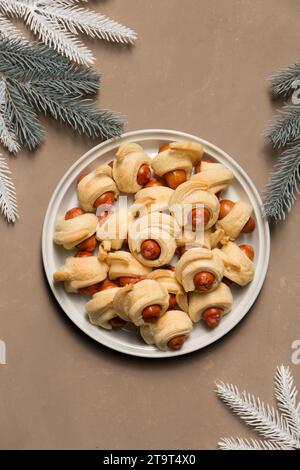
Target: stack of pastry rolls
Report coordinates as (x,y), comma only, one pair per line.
(149,264)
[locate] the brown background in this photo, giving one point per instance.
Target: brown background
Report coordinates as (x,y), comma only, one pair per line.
(199,66)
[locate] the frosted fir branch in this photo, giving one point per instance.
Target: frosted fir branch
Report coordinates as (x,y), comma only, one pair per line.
(7,133)
(286,127)
(286,395)
(281,189)
(247,444)
(8,201)
(50,32)
(57,24)
(81,20)
(282,81)
(8,29)
(263,418)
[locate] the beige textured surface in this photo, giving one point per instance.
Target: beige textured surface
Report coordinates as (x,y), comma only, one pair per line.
(199,66)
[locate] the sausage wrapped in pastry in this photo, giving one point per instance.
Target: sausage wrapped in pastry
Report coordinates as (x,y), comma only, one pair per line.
(175,161)
(70,233)
(112,232)
(210,306)
(80,273)
(186,202)
(199,269)
(151,239)
(125,268)
(170,331)
(238,267)
(142,302)
(100,309)
(213,177)
(177,296)
(97,188)
(236,219)
(131,169)
(153,199)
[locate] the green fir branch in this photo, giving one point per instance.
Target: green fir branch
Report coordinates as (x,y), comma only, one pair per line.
(282,81)
(286,127)
(281,190)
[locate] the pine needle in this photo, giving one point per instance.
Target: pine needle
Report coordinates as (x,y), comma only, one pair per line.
(282,81)
(8,201)
(247,444)
(286,127)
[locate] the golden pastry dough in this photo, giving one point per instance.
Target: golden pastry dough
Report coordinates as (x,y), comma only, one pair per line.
(191,239)
(69,233)
(167,278)
(100,308)
(174,323)
(197,260)
(131,300)
(237,266)
(187,196)
(93,185)
(154,226)
(113,231)
(180,156)
(235,220)
(213,177)
(152,199)
(221,297)
(123,264)
(129,158)
(77,273)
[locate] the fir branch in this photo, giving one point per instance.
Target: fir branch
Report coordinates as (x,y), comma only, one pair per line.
(81,115)
(51,33)
(282,187)
(81,20)
(8,29)
(263,418)
(23,118)
(282,81)
(286,127)
(286,395)
(7,133)
(8,201)
(247,444)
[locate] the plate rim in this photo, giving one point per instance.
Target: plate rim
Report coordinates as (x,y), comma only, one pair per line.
(104,146)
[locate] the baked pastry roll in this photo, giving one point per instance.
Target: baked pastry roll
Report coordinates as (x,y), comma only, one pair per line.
(69,233)
(151,238)
(237,266)
(167,278)
(186,198)
(213,177)
(170,331)
(235,220)
(113,231)
(78,273)
(177,156)
(190,239)
(154,199)
(100,308)
(123,265)
(130,157)
(142,302)
(199,269)
(210,306)
(95,184)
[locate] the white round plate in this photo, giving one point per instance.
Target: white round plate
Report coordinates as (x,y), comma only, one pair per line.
(127,340)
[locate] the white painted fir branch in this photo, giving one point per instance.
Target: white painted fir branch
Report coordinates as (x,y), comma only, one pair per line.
(58,24)
(7,134)
(8,200)
(281,431)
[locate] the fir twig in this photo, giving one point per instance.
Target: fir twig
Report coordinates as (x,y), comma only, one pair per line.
(247,444)
(282,81)
(286,395)
(8,201)
(286,127)
(282,187)
(7,133)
